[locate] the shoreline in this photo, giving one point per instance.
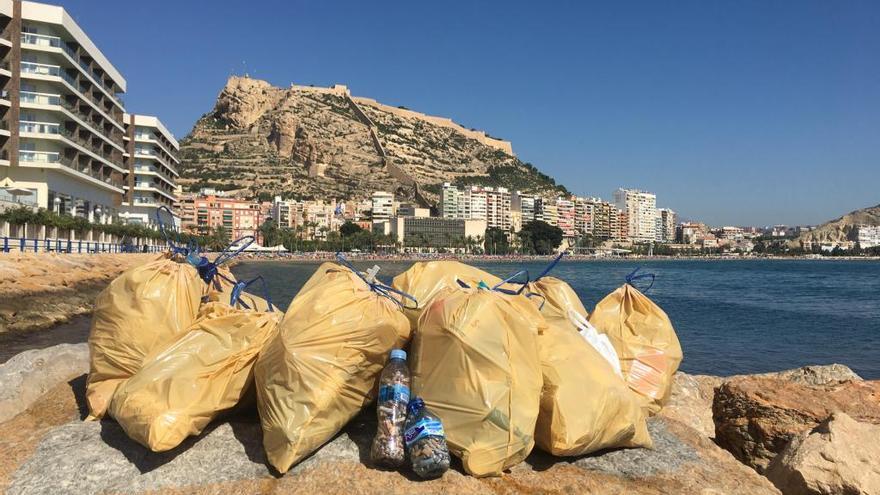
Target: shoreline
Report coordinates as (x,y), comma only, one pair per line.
(320,257)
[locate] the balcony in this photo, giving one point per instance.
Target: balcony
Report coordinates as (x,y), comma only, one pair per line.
(139,200)
(39,127)
(42,40)
(41,157)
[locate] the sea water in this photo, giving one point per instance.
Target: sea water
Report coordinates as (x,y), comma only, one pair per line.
(731,316)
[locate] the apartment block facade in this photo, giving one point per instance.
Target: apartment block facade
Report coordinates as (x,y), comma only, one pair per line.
(62,121)
(151,161)
(667,220)
(477,203)
(565,217)
(868,236)
(237,217)
(584,214)
(641,210)
(524,204)
(383,206)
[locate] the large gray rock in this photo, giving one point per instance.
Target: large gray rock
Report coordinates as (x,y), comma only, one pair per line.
(97,457)
(27,376)
(87,458)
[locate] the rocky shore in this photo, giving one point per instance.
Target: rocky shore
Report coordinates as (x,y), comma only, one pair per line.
(41,290)
(809,430)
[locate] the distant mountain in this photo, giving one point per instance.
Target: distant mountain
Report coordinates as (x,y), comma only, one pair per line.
(843,228)
(309,142)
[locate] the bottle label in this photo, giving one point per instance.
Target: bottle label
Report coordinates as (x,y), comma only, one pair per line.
(425,427)
(397,393)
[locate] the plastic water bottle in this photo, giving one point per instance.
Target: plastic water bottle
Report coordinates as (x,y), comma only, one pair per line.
(425,441)
(388,445)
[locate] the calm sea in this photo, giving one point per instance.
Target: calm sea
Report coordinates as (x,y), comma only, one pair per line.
(731,316)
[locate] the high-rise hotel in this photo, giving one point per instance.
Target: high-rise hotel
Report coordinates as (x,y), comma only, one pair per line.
(66,143)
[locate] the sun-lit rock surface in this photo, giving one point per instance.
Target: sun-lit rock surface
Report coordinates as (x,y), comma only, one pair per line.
(40,290)
(756,416)
(841,455)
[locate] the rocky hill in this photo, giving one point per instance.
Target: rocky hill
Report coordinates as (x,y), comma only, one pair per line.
(843,228)
(305,142)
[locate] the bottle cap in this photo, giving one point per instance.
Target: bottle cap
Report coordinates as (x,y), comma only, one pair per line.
(415,405)
(398,354)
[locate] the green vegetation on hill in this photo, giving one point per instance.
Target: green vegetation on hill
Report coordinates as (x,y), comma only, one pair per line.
(516,178)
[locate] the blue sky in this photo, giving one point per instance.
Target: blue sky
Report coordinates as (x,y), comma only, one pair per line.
(746,112)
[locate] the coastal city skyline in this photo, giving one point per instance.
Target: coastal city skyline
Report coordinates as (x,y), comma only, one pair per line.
(719,123)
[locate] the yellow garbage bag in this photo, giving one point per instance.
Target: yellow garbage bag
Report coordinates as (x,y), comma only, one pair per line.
(645,341)
(476,365)
(142,310)
(208,370)
(425,279)
(585,404)
(321,368)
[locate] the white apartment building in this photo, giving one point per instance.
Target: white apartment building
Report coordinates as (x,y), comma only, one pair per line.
(477,203)
(584,215)
(287,214)
(667,219)
(151,169)
(641,210)
(498,208)
(525,205)
(64,137)
(383,206)
(451,202)
(868,236)
(546,211)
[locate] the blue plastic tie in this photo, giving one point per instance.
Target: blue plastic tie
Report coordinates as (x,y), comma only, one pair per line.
(175,246)
(632,277)
(240,286)
(551,266)
(509,280)
(208,269)
(378,287)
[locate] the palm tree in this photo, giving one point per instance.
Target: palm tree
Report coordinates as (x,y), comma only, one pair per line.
(478,242)
(218,238)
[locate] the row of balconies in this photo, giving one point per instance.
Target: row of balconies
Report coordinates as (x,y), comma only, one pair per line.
(155,186)
(141,169)
(54,129)
(77,162)
(159,156)
(111,136)
(157,139)
(42,40)
(115,116)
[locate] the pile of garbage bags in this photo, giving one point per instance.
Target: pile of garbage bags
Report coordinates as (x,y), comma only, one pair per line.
(506,364)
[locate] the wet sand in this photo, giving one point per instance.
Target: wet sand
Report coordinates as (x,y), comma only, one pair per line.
(72,332)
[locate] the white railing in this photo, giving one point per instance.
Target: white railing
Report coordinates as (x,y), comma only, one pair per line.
(39,156)
(39,127)
(40,98)
(41,40)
